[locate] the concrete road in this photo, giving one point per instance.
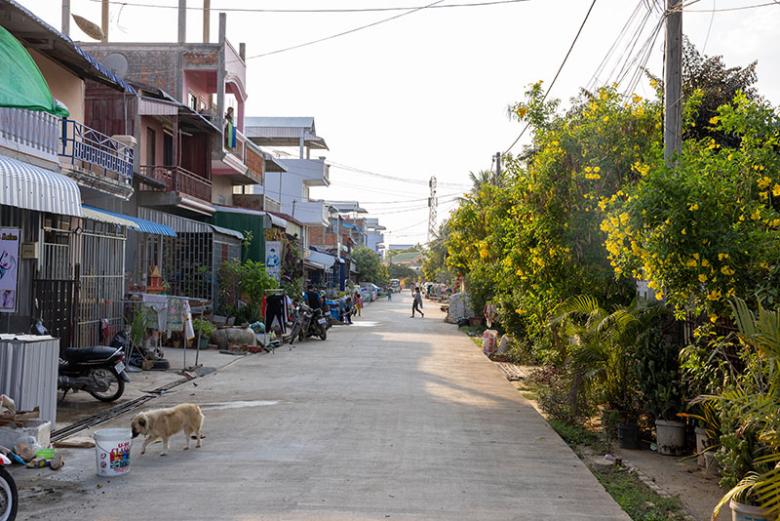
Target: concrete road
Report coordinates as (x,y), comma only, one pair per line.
(391,418)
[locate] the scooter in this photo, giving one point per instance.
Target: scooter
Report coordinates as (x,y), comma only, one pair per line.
(9,497)
(316,324)
(99,370)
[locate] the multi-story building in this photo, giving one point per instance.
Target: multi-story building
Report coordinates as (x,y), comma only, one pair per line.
(69,257)
(375,239)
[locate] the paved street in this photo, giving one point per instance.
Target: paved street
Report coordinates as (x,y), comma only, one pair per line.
(391,418)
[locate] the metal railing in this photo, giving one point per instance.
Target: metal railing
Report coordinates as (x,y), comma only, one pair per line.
(29,131)
(83,144)
(178,179)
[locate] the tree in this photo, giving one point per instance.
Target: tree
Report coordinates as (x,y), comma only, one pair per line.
(369,266)
(434,266)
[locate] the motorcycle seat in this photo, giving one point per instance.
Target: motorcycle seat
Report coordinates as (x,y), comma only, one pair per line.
(88,354)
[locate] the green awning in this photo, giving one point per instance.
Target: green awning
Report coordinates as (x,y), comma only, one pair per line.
(21,83)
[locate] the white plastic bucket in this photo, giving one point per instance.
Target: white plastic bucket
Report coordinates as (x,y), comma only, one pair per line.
(112,452)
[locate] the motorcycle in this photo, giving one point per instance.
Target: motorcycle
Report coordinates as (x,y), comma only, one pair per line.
(308,322)
(98,370)
(8,495)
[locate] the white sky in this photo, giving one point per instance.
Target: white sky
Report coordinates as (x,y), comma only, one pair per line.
(427,94)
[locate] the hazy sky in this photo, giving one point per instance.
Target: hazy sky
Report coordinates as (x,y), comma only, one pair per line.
(427,94)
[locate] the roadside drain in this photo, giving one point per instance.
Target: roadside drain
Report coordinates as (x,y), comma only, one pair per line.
(237,405)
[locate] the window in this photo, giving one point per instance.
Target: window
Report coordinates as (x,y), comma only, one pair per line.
(151,147)
(192,101)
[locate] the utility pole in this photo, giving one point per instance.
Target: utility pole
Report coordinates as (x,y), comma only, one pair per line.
(498,166)
(66,17)
(104,19)
(433,204)
(673,81)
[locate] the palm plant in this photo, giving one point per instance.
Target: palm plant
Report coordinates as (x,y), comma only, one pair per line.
(596,350)
(756,400)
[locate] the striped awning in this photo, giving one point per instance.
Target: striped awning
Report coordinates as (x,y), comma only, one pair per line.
(34,188)
(138,224)
(97,214)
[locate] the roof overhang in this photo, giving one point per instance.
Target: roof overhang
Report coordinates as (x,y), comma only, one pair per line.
(34,188)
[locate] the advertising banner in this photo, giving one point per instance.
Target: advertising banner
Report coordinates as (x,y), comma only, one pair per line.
(273,259)
(9,268)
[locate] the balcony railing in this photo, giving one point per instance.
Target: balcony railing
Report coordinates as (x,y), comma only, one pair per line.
(178,179)
(95,152)
(29,131)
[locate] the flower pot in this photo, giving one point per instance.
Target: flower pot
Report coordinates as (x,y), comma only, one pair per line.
(711,465)
(742,512)
(702,442)
(670,437)
(628,436)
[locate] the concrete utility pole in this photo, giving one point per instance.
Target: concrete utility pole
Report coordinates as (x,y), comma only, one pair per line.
(673,81)
(498,165)
(433,204)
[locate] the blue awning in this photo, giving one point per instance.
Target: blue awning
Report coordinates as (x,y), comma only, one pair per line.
(144,226)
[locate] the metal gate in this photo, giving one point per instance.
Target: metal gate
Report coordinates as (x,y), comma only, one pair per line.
(101,283)
(55,285)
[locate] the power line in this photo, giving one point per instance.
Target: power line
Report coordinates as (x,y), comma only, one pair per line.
(344,33)
(388,177)
(727,9)
(312,11)
(565,59)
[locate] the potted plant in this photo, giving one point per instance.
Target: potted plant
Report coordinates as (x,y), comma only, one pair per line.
(203,331)
(658,376)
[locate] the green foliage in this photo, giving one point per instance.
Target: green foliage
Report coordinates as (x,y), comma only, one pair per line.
(369,266)
(243,282)
(657,364)
(203,327)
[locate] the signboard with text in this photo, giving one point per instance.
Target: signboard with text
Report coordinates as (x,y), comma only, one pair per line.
(9,268)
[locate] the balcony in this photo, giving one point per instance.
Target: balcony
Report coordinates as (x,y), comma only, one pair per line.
(95,159)
(175,186)
(29,132)
(314,172)
(243,164)
(310,212)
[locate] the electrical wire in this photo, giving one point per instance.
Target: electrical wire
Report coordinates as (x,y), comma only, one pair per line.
(558,73)
(310,11)
(409,180)
(345,33)
(729,9)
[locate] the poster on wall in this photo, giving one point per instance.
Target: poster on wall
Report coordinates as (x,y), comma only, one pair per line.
(9,268)
(273,259)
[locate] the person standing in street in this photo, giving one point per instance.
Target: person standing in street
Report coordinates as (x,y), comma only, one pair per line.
(358,300)
(417,303)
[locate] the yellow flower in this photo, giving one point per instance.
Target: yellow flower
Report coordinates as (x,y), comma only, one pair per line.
(696,256)
(597,169)
(521,111)
(705,263)
(693,207)
(714,120)
(763,195)
(641,169)
(605,119)
(684,231)
(776,190)
(592,176)
(713,318)
(714,295)
(691,263)
(624,218)
(774,223)
(712,144)
(723,256)
(520,311)
(654,83)
(636,98)
(756,215)
(659,295)
(702,278)
(727,270)
(764,182)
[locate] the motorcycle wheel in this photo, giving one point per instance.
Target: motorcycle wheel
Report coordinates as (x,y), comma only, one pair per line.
(115,389)
(323,333)
(9,497)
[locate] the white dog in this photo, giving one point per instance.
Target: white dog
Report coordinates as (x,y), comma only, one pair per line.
(161,424)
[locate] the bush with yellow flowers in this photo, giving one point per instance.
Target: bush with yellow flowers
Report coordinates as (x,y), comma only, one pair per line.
(708,228)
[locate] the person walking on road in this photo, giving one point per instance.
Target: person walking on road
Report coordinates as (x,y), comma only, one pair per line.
(417,304)
(358,300)
(389,293)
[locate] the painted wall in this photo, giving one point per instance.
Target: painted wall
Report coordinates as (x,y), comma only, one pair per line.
(222,191)
(154,124)
(64,85)
(198,86)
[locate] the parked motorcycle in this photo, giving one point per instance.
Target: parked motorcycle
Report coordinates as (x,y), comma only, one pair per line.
(308,322)
(98,370)
(8,495)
